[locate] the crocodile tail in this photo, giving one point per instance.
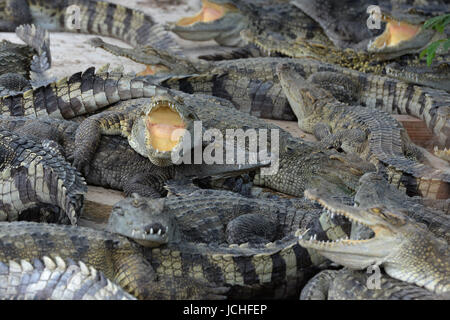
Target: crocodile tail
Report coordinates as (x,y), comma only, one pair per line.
(83,93)
(63,279)
(33,175)
(276,268)
(36,37)
(102,18)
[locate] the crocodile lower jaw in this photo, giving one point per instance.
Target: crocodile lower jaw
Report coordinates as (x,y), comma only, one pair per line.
(210,12)
(165,127)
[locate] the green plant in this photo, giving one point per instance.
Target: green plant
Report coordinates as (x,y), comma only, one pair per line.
(438,24)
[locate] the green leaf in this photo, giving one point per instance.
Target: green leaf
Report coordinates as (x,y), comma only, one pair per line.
(430,51)
(437,23)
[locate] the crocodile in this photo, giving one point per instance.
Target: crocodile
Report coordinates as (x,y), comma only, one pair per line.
(33,175)
(346,23)
(115,164)
(406,249)
(353,285)
(371,133)
(261,262)
(90,17)
(443,154)
(73,102)
(224,20)
(435,76)
(56,279)
(119,259)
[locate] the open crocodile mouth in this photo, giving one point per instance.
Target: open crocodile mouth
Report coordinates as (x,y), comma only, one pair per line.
(210,12)
(152,235)
(395,32)
(364,233)
(165,126)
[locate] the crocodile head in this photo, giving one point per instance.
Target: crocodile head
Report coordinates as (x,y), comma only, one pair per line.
(143,221)
(303,96)
(220,20)
(162,129)
(403,34)
(407,250)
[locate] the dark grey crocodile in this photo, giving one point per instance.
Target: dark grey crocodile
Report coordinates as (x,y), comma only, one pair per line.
(406,249)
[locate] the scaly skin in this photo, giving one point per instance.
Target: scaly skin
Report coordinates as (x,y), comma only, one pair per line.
(96,17)
(436,76)
(318,165)
(56,279)
(218,20)
(374,190)
(342,22)
(190,224)
(210,216)
(345,22)
(320,30)
(373,134)
(251,84)
(407,250)
(119,259)
(33,175)
(352,285)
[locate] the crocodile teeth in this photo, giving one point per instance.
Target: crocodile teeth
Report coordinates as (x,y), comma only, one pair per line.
(167,229)
(159,232)
(151,231)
